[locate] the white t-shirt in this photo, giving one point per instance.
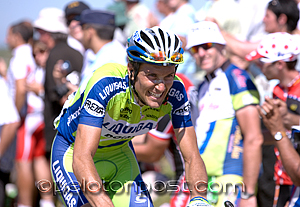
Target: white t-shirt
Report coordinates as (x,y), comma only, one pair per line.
(20,66)
(8,111)
(112,52)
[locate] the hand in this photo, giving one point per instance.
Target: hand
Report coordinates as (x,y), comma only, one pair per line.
(251,202)
(281,106)
(3,67)
(34,87)
(198,201)
(271,116)
(57,73)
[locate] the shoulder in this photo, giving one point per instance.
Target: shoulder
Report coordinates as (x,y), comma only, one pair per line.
(238,77)
(110,73)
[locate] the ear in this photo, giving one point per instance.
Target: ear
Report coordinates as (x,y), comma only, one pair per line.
(282,19)
(280,64)
(130,70)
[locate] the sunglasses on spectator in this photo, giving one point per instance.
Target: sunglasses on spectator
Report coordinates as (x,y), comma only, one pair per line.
(73,17)
(204,46)
(40,51)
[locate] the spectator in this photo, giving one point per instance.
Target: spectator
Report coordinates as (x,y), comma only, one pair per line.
(179,23)
(32,165)
(277,53)
(226,106)
(72,15)
(225,12)
(9,123)
(270,111)
(53,32)
(164,8)
(20,66)
(98,32)
(118,7)
(73,11)
(281,16)
(139,17)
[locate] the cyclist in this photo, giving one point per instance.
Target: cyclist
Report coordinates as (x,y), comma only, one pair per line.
(92,159)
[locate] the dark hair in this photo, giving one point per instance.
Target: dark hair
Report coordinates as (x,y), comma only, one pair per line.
(104,32)
(287,7)
(57,36)
(291,65)
(25,29)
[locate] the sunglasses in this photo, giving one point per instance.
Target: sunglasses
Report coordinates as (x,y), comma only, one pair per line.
(73,17)
(38,52)
(204,46)
(161,57)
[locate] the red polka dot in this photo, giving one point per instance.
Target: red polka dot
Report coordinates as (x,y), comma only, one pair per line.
(267,51)
(286,47)
(273,46)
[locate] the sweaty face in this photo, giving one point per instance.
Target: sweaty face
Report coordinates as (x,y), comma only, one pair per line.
(153,83)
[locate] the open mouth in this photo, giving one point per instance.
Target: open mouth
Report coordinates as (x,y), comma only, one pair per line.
(155,95)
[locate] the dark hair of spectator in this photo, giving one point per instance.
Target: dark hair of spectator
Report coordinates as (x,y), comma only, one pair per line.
(59,37)
(103,31)
(25,29)
(291,65)
(287,7)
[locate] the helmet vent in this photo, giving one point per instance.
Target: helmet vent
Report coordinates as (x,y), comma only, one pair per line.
(146,39)
(157,41)
(163,38)
(140,46)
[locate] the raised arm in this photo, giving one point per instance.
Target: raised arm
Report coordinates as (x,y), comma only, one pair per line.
(86,145)
(195,170)
(289,156)
(237,47)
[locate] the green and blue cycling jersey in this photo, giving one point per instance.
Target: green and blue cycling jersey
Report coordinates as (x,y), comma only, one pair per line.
(219,137)
(108,102)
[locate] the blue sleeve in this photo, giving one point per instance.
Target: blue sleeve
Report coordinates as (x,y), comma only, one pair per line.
(180,114)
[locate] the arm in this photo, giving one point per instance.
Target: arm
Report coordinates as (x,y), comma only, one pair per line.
(86,145)
(238,47)
(152,150)
(20,93)
(249,122)
(289,156)
(195,170)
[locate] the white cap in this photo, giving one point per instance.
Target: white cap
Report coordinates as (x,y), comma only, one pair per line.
(51,20)
(276,46)
(204,32)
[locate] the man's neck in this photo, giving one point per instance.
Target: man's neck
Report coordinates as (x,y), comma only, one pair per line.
(288,79)
(98,44)
(180,5)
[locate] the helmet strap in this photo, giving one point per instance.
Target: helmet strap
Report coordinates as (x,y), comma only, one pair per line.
(136,67)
